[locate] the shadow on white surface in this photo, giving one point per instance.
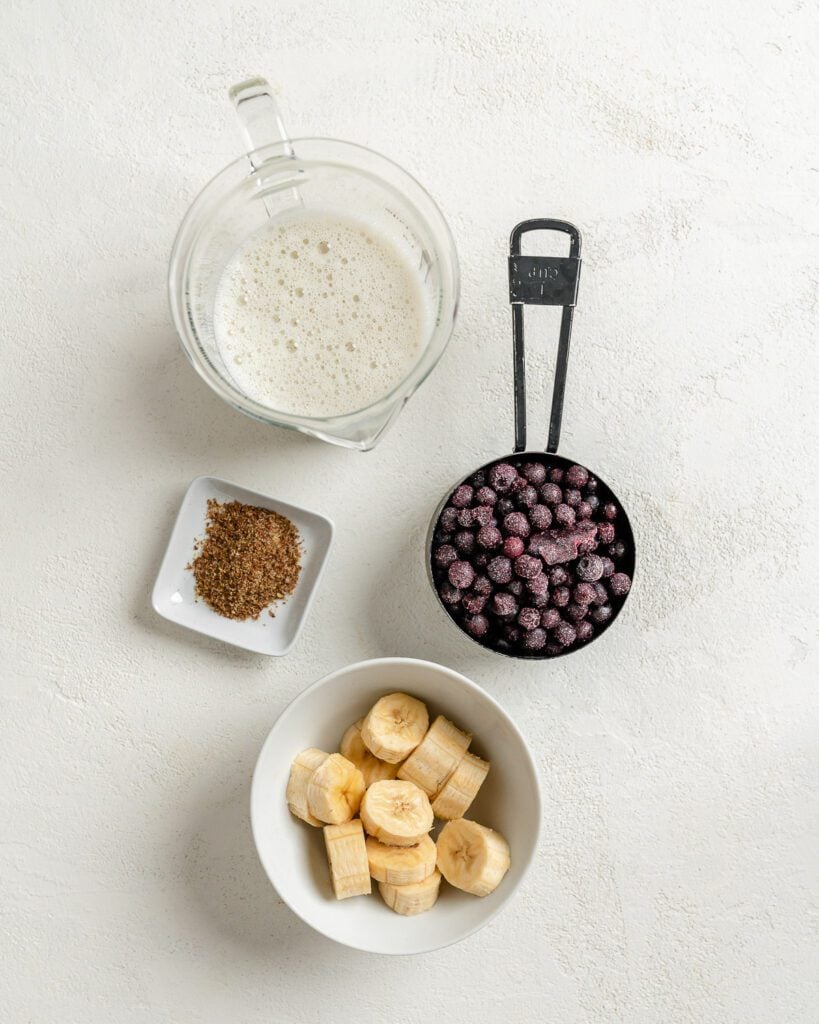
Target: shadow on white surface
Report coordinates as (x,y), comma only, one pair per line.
(404,615)
(229,889)
(190,420)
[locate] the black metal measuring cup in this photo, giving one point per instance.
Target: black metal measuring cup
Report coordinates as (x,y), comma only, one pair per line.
(532,555)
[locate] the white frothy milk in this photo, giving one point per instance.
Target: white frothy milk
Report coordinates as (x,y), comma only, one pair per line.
(319,314)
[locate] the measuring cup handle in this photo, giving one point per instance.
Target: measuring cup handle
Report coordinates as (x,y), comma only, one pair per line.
(260,119)
(542,281)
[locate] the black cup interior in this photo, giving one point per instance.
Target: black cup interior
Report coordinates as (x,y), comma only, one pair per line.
(494,640)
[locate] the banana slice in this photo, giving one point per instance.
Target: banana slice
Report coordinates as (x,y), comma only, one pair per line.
(347,856)
(461,788)
(411,899)
(396,813)
(394,727)
(334,791)
(301,771)
(436,757)
(401,865)
(472,857)
(354,749)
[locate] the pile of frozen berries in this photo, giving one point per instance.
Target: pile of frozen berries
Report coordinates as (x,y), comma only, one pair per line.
(527,556)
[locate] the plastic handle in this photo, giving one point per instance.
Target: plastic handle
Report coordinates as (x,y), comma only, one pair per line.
(260,119)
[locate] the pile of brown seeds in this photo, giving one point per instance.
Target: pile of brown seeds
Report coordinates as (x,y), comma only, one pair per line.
(249,558)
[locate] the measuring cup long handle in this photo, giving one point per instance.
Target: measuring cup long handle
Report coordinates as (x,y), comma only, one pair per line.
(259,117)
(549,281)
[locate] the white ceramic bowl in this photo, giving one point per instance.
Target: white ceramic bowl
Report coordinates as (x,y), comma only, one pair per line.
(293,853)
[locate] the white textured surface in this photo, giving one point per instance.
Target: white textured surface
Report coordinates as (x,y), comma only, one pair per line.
(677,876)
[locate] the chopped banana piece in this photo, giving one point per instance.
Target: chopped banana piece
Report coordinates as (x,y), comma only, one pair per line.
(394,727)
(347,856)
(472,857)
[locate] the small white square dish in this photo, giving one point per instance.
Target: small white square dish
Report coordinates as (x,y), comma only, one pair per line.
(174,596)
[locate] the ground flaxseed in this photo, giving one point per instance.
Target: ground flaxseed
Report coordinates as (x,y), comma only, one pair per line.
(249,558)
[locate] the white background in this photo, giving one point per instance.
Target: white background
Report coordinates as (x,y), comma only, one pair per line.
(677,877)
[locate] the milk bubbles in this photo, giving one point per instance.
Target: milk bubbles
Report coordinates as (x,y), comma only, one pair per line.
(320,314)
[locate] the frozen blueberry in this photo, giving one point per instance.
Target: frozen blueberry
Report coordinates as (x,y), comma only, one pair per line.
(620,584)
(504,604)
(608,567)
(551,494)
(540,517)
(501,476)
(538,586)
(499,570)
(584,630)
(577,476)
(511,634)
(576,612)
(601,595)
(564,515)
(589,568)
(553,648)
(539,600)
(483,515)
(445,555)
(486,496)
(558,575)
(517,524)
(476,625)
(594,501)
(572,497)
(601,614)
(526,497)
(617,549)
(556,475)
(584,510)
(610,510)
(536,542)
(528,566)
(564,633)
(489,537)
(483,586)
(478,479)
(464,541)
(513,546)
(591,485)
(504,507)
(586,543)
(448,519)
(441,537)
(584,593)
(549,618)
(517,485)
(515,587)
(529,618)
(449,594)
(534,640)
(466,517)
(462,496)
(473,603)
(535,472)
(461,574)
(605,532)
(561,597)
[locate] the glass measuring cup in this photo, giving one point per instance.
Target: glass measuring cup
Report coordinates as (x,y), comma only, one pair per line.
(275,177)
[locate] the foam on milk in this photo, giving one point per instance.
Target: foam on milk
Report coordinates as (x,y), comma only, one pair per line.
(319,314)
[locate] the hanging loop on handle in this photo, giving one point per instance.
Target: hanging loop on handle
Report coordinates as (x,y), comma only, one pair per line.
(542,281)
